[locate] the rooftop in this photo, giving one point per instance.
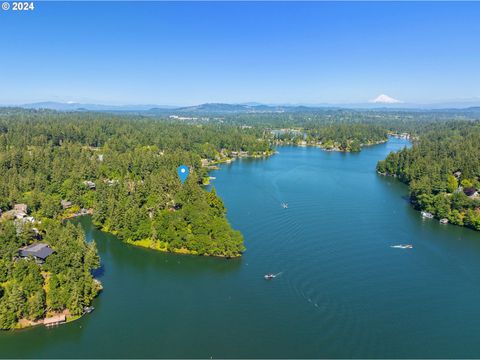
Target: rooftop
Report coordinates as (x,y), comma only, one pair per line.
(38,250)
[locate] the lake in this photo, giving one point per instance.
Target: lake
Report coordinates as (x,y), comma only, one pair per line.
(341,292)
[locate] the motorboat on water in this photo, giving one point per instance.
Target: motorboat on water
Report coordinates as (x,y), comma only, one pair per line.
(427,215)
(88,309)
(270,276)
(408,246)
(285,205)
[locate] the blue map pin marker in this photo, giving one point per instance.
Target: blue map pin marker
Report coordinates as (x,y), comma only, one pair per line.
(182,172)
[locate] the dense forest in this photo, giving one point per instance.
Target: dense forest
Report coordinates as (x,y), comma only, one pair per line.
(30,291)
(125,170)
(442,170)
(335,137)
(122,170)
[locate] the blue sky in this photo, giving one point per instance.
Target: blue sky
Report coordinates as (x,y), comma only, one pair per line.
(185,53)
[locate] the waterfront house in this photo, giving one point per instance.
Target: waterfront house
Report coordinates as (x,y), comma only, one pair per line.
(39,251)
(66,204)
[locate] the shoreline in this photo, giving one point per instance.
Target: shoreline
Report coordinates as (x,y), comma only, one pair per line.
(211,164)
(329,149)
(25,324)
(82,212)
(150,244)
(420,211)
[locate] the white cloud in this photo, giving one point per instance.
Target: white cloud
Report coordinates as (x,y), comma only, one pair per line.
(385,99)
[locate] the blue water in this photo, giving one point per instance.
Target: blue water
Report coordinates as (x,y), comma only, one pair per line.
(341,292)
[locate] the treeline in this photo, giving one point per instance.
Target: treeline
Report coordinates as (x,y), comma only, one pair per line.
(442,170)
(123,132)
(410,121)
(361,133)
(341,137)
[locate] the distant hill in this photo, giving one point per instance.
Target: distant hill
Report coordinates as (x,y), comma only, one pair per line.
(227,108)
(207,108)
(71,106)
(221,108)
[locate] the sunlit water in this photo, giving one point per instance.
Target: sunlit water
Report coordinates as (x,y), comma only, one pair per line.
(342,290)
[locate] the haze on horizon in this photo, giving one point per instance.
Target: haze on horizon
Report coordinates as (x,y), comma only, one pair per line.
(274,53)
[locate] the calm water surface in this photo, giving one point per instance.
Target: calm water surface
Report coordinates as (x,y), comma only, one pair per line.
(342,291)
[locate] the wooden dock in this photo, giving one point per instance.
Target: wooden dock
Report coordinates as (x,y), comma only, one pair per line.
(55,320)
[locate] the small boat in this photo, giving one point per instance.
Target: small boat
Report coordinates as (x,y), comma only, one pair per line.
(285,205)
(270,276)
(408,246)
(88,309)
(427,215)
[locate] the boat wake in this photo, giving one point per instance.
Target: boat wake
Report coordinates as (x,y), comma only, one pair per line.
(408,246)
(272,276)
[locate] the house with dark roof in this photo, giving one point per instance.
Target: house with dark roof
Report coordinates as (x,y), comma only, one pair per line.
(471,191)
(39,251)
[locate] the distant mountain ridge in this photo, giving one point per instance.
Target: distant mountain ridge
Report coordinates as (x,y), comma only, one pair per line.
(232,108)
(224,108)
(72,106)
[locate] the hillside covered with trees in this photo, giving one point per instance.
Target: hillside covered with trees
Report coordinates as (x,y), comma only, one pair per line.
(125,170)
(442,170)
